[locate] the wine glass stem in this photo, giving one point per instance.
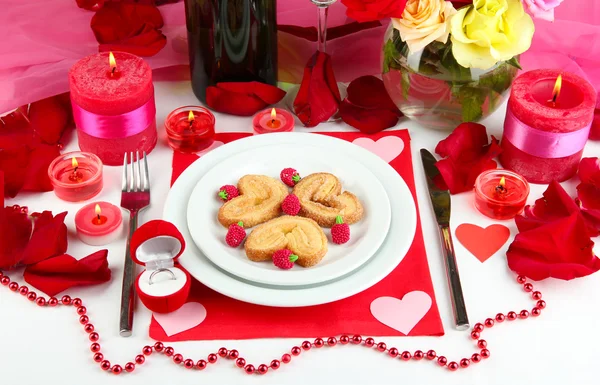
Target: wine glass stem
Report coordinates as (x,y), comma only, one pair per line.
(322,28)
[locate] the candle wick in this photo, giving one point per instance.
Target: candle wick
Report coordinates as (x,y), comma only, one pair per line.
(192,125)
(75,169)
(113,70)
(98,217)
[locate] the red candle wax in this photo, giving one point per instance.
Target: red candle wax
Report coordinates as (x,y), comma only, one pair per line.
(98,223)
(99,90)
(530,104)
(190,129)
(76,176)
(273,120)
(500,194)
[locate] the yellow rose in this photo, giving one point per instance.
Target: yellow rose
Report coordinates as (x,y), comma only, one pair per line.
(490,31)
(423,22)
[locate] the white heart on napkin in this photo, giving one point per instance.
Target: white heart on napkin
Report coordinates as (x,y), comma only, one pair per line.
(185,318)
(402,315)
(388,147)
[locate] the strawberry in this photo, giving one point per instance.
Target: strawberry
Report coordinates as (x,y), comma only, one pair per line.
(340,232)
(290,176)
(228,192)
(284,259)
(235,234)
(291,205)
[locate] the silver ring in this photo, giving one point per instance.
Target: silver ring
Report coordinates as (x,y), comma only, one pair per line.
(161,271)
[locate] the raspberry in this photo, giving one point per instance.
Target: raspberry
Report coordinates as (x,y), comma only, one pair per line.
(340,232)
(228,192)
(290,176)
(291,205)
(235,235)
(284,259)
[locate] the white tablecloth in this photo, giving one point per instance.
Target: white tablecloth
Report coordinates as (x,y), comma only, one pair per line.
(48,345)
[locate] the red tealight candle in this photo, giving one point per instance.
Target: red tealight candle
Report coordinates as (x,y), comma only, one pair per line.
(76,176)
(500,194)
(190,129)
(273,120)
(547,124)
(99,223)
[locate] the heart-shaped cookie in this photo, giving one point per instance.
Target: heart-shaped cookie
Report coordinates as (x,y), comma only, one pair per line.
(259,200)
(322,200)
(302,236)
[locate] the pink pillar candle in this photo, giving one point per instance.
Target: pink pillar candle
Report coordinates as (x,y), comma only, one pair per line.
(500,194)
(273,120)
(113,105)
(190,129)
(98,223)
(76,176)
(543,139)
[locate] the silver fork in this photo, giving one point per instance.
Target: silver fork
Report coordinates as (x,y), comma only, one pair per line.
(135,196)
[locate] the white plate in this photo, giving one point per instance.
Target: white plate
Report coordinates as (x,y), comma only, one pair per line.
(391,253)
(367,235)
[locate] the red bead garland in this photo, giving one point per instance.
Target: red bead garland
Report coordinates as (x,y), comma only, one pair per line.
(286,358)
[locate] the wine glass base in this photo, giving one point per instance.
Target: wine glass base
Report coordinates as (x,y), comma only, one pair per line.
(292,92)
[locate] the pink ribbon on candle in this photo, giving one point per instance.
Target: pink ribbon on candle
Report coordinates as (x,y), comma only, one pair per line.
(115,126)
(544,144)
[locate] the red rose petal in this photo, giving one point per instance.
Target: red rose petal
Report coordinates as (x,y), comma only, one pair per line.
(49,119)
(467,154)
(49,238)
(370,92)
(265,92)
(60,273)
(133,28)
(90,5)
(318,98)
(589,171)
(15,228)
(233,103)
(369,121)
(14,163)
(36,176)
(560,249)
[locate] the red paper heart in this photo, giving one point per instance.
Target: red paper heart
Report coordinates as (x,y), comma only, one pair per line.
(482,243)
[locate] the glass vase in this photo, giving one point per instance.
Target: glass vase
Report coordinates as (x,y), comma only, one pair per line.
(431,88)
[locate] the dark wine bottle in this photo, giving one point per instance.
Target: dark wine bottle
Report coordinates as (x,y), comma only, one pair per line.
(231,41)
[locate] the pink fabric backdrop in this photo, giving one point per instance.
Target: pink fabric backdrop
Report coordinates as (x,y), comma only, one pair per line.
(43,38)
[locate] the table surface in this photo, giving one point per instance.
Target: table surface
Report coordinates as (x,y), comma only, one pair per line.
(557,347)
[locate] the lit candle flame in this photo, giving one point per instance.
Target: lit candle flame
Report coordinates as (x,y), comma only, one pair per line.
(191,116)
(98,210)
(74,163)
(112,62)
(557,87)
(273,114)
(502,182)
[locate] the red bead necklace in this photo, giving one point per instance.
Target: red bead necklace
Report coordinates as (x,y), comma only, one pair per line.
(430,355)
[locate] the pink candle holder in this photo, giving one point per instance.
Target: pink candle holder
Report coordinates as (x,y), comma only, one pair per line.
(76,176)
(99,223)
(190,129)
(273,120)
(500,194)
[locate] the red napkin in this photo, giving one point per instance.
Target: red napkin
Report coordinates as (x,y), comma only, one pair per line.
(231,319)
(129,27)
(318,98)
(242,98)
(368,106)
(467,154)
(60,273)
(588,192)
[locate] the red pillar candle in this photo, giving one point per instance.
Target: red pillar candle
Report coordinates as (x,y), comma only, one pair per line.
(190,129)
(547,125)
(113,105)
(76,176)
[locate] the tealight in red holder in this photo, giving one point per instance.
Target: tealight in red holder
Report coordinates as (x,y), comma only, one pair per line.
(162,287)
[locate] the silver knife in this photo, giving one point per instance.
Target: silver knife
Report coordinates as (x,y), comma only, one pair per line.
(440,200)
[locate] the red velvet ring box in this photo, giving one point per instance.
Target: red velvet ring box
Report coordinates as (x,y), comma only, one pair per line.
(162,287)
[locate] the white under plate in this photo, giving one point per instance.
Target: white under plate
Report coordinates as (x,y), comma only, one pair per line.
(367,235)
(402,228)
